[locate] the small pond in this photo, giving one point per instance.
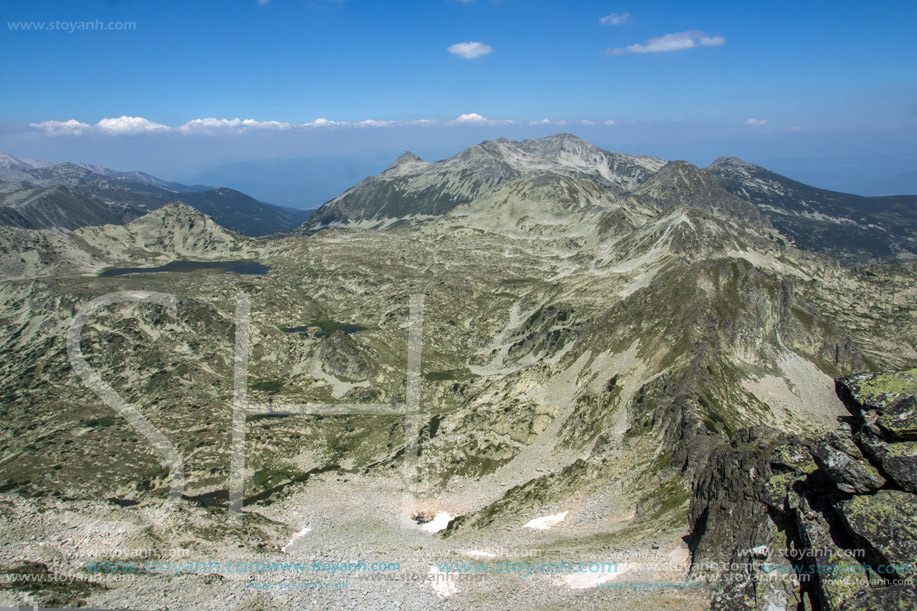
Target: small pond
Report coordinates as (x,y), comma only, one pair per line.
(249,268)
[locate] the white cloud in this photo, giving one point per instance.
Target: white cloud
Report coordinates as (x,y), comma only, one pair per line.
(615,19)
(562,122)
(373,123)
(755,122)
(265,124)
(795,129)
(221,125)
(129,125)
(473,118)
(322,122)
(470,50)
(609,123)
(71,127)
(587,122)
(678,41)
(116,126)
(211,126)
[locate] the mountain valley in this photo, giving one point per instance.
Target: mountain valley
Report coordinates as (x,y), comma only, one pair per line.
(617,354)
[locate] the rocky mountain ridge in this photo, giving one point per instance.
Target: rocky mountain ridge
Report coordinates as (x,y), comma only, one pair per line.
(848,227)
(172,232)
(851,228)
(412,190)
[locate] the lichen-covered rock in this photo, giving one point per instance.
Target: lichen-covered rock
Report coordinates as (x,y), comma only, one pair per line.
(899,420)
(877,390)
(844,507)
(872,445)
(825,560)
(891,598)
(851,472)
(897,460)
(795,457)
(796,463)
(900,463)
(871,395)
(775,490)
(885,522)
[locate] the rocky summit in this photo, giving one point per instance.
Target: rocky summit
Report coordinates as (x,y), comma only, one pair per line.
(536,374)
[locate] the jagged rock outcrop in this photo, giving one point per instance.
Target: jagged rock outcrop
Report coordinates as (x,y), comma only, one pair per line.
(343,357)
(832,525)
(845,464)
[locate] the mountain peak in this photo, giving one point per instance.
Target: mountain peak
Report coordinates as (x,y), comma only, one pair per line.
(679,183)
(724,163)
(565,137)
(556,143)
(406,160)
(408,156)
(416,191)
(179,221)
(10,162)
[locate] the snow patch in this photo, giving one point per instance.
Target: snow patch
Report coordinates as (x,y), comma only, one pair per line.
(295,537)
(439,522)
(476,553)
(546,522)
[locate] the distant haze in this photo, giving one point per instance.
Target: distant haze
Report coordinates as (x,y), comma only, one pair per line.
(305,168)
(304,183)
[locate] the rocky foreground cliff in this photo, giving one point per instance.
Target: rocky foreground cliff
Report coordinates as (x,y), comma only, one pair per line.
(831,524)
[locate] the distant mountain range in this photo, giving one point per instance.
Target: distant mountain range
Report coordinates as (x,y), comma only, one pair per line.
(851,228)
(65,196)
(413,190)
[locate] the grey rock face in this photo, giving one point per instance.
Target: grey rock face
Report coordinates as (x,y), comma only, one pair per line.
(897,460)
(886,522)
(900,462)
(900,419)
(850,473)
(847,504)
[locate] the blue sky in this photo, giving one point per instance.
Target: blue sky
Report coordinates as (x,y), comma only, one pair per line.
(798,84)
